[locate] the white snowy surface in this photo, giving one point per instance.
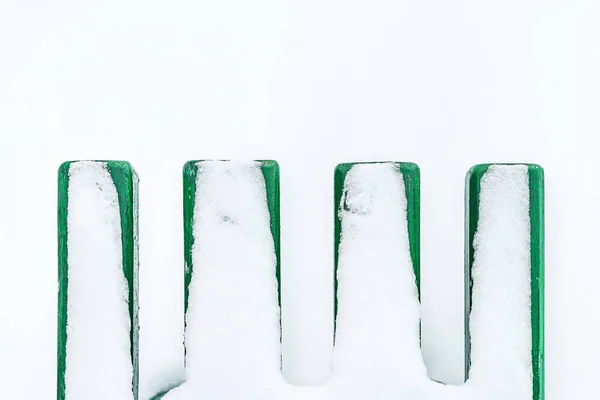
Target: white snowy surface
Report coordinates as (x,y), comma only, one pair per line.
(98,360)
(310,83)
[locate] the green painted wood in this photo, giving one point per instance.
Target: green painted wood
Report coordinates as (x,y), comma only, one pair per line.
(126,183)
(63,281)
(270,171)
(412,187)
(190,170)
(536,214)
(472,188)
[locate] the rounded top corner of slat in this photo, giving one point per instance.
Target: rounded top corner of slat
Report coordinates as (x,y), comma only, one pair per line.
(343,166)
(269,164)
(190,165)
(536,168)
(408,166)
(63,169)
(477,170)
(126,165)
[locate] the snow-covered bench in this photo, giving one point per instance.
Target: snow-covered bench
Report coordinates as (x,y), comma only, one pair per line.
(232,284)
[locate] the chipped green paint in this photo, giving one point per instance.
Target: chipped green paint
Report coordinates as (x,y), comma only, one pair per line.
(126,183)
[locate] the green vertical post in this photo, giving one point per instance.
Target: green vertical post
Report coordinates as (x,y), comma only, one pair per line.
(412,177)
(536,215)
(126,183)
(270,171)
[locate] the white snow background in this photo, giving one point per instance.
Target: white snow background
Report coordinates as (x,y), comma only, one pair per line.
(446,84)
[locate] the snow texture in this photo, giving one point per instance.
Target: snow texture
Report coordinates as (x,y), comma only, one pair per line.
(377,331)
(232,337)
(98,361)
(232,334)
(377,349)
(501,311)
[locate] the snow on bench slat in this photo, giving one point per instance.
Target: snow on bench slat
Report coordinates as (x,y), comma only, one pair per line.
(98,360)
(232,335)
(501,312)
(377,351)
(378,323)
